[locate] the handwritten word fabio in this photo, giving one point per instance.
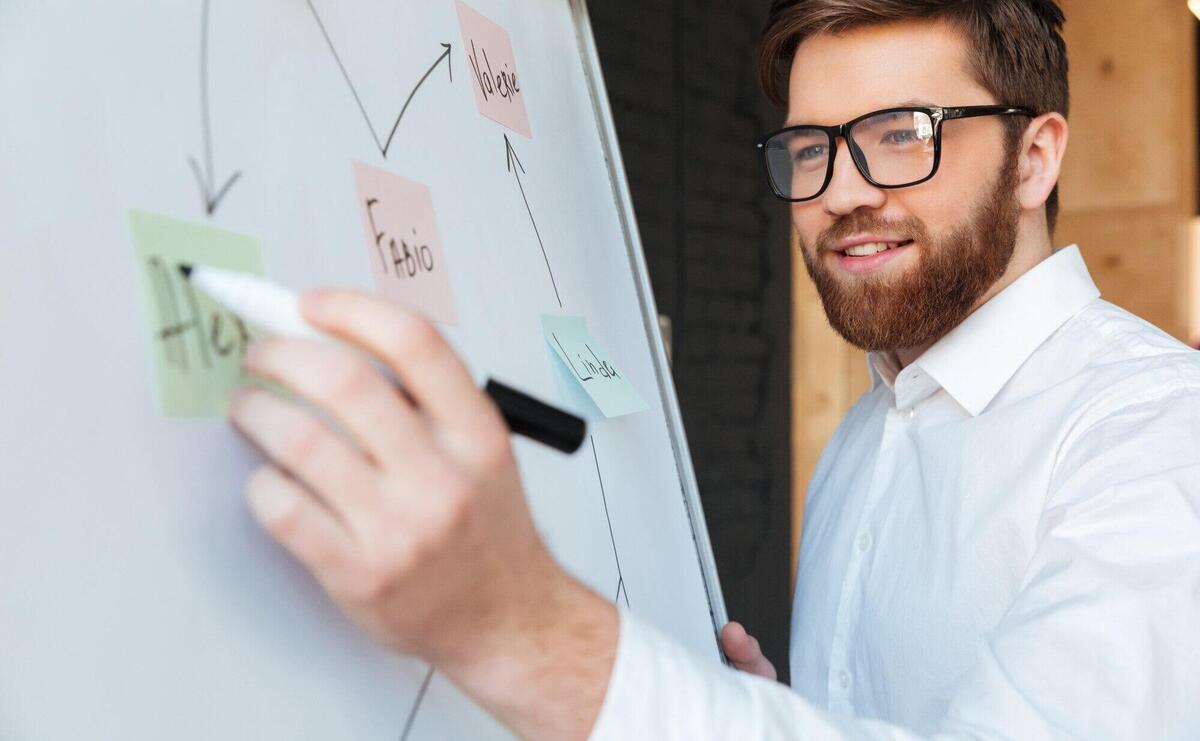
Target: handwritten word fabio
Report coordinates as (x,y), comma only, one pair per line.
(406,260)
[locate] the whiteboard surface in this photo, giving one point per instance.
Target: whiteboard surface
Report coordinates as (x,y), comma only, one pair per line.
(137,598)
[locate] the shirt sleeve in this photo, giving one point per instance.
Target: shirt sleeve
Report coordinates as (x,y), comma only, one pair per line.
(1101,642)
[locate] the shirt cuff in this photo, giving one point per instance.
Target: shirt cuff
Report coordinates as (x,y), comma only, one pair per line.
(660,690)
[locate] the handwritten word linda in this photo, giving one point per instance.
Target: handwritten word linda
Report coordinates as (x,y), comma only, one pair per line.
(593,368)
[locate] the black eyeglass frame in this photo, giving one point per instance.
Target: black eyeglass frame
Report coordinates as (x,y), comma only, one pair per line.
(937,114)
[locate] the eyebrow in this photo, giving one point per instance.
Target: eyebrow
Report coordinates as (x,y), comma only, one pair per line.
(911,102)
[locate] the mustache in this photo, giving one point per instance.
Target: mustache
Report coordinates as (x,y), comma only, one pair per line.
(911,228)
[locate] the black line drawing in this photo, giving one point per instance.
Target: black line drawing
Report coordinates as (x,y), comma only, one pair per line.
(383,145)
(621,592)
(520,168)
(204,177)
(412,713)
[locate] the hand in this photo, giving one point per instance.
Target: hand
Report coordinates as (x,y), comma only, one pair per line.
(412,516)
(745,653)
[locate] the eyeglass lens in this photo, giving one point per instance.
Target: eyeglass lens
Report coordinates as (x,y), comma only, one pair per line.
(892,149)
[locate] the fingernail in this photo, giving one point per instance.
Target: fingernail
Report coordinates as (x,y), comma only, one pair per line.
(253,351)
(268,502)
(237,400)
(313,300)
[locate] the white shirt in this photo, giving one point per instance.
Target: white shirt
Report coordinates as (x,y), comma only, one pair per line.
(1001,541)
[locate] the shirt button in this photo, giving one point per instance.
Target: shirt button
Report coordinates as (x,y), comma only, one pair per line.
(910,413)
(844,680)
(864,542)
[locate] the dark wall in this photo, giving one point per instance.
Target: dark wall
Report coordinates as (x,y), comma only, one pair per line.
(681,78)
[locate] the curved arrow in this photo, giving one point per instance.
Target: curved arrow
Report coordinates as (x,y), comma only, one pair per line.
(204,178)
(383,146)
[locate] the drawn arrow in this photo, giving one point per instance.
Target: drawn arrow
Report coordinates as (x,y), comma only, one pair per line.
(516,171)
(613,538)
(383,145)
(204,178)
(412,713)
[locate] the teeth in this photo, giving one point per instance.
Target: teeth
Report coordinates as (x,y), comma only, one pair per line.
(873,248)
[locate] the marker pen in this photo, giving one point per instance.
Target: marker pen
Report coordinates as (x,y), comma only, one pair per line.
(276,310)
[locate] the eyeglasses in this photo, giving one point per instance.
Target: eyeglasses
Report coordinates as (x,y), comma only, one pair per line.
(892,148)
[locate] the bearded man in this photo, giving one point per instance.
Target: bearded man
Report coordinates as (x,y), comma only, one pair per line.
(1002,539)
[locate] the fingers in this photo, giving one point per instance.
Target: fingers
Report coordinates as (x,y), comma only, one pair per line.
(739,645)
(300,524)
(365,403)
(298,443)
(745,652)
(429,369)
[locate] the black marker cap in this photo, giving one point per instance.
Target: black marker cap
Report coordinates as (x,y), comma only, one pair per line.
(536,420)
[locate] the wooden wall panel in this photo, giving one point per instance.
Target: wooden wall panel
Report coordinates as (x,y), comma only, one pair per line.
(1132,103)
(828,376)
(1139,259)
(1128,184)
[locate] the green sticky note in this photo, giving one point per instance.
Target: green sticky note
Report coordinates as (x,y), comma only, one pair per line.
(198,346)
(591,367)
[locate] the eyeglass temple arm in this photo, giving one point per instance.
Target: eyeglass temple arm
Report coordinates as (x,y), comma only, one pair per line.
(985,110)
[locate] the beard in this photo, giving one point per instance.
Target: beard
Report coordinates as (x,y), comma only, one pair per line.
(921,304)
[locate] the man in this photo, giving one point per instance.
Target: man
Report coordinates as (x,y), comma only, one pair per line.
(1003,537)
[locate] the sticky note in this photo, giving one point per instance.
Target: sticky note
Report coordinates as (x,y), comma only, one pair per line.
(590,366)
(198,345)
(492,67)
(403,245)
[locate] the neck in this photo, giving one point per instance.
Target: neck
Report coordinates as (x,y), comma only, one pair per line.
(1033,246)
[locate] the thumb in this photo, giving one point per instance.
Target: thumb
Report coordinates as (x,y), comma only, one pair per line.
(745,653)
(738,645)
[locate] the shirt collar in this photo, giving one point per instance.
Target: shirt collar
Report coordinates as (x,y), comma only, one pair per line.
(979,356)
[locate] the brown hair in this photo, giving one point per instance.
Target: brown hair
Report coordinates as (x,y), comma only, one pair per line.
(1016,48)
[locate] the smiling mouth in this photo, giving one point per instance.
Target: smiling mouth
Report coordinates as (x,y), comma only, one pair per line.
(872,248)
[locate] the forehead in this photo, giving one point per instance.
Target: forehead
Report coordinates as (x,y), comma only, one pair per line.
(836,77)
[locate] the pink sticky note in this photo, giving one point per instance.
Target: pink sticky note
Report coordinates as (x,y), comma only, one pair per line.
(403,243)
(492,67)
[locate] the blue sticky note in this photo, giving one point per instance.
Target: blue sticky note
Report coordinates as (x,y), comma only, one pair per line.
(591,367)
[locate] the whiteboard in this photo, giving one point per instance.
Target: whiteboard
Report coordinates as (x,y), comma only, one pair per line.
(138,600)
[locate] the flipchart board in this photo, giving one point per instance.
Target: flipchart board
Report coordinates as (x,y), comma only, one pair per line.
(457,156)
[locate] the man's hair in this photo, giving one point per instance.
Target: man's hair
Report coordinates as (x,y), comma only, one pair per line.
(1015,48)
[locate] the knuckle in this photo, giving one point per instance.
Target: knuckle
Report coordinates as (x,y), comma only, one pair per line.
(414,336)
(458,505)
(487,446)
(303,442)
(367,585)
(352,382)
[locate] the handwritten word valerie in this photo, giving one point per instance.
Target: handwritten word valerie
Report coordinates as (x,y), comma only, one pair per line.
(503,83)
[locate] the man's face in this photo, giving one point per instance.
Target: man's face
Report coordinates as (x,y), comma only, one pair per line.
(950,238)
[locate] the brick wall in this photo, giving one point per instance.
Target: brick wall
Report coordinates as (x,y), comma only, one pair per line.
(681,79)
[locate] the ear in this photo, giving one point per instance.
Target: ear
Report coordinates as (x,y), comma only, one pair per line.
(1042,150)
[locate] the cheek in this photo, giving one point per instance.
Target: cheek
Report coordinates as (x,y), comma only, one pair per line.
(809,221)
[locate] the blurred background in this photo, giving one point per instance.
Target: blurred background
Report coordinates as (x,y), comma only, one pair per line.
(762,379)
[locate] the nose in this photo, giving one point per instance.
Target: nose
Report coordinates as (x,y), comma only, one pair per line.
(848,190)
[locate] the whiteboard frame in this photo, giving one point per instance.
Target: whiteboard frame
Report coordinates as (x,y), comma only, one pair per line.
(690,491)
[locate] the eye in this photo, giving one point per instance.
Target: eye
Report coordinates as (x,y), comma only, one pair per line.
(808,154)
(901,136)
